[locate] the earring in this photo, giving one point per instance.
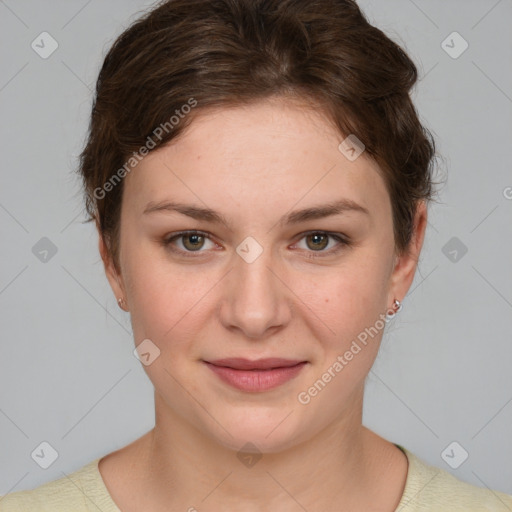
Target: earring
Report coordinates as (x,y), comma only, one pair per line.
(397,306)
(120,302)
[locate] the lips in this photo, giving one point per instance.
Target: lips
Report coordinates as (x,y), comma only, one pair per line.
(256,376)
(269,363)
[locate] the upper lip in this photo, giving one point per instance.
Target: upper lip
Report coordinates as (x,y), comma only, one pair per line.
(239,363)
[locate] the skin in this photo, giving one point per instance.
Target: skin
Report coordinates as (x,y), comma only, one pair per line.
(255,164)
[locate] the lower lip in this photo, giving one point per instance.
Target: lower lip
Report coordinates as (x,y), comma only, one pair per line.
(256,380)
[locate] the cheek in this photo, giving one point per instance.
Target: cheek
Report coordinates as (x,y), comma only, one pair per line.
(349,297)
(348,327)
(168,302)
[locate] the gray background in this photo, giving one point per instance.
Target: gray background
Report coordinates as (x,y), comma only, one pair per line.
(68,375)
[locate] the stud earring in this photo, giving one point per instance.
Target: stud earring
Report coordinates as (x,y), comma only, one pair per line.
(397,306)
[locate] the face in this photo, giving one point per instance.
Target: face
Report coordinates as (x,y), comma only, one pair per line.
(259,280)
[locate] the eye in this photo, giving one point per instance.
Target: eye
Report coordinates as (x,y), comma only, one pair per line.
(192,242)
(317,241)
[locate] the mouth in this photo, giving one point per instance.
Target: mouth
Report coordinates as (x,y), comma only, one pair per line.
(269,363)
(255,376)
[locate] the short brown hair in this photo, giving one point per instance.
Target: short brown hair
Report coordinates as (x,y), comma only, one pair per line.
(233,52)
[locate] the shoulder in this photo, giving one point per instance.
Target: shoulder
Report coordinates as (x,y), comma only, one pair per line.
(434,489)
(81,491)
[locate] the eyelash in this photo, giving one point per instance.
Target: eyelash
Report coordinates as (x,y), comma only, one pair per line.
(343,242)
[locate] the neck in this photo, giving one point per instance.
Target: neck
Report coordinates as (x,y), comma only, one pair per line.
(189,469)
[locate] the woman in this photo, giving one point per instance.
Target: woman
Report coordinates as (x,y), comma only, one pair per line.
(259,180)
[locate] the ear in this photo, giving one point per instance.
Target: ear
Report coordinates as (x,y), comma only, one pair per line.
(113,276)
(406,264)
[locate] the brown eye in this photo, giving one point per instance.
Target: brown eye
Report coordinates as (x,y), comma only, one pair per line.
(316,243)
(319,241)
(196,242)
(191,242)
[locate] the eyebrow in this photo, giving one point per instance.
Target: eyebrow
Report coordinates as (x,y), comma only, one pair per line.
(206,214)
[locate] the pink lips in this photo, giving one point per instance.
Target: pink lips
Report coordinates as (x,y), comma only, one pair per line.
(258,375)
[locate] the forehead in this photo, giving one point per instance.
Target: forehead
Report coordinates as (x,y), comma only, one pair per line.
(270,149)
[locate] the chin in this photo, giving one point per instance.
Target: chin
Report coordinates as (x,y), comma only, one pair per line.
(259,430)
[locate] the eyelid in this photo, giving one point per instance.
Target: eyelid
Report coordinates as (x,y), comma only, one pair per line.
(174,236)
(332,234)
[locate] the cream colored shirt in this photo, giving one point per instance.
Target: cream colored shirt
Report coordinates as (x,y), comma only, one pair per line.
(427,488)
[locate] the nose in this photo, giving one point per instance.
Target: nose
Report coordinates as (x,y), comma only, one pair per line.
(256,299)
